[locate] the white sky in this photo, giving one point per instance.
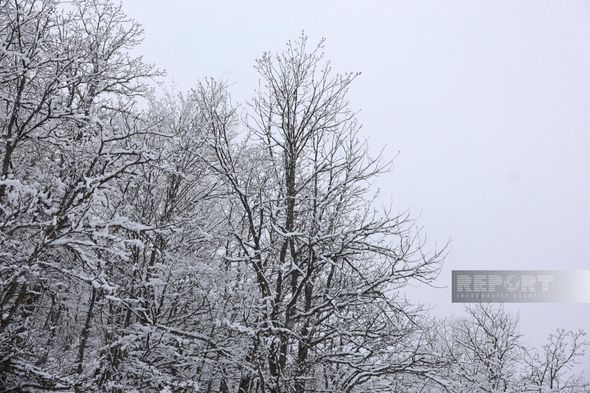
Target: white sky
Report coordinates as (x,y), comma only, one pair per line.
(488,104)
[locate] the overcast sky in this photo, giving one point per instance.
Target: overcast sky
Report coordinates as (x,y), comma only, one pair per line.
(487,103)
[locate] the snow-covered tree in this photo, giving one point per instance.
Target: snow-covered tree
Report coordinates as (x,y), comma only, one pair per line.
(553,369)
(486,353)
(67,91)
(325,262)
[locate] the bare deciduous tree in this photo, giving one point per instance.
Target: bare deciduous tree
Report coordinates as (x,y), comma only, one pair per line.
(325,262)
(551,371)
(67,86)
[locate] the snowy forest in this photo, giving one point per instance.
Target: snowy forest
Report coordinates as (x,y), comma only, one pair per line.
(182,242)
